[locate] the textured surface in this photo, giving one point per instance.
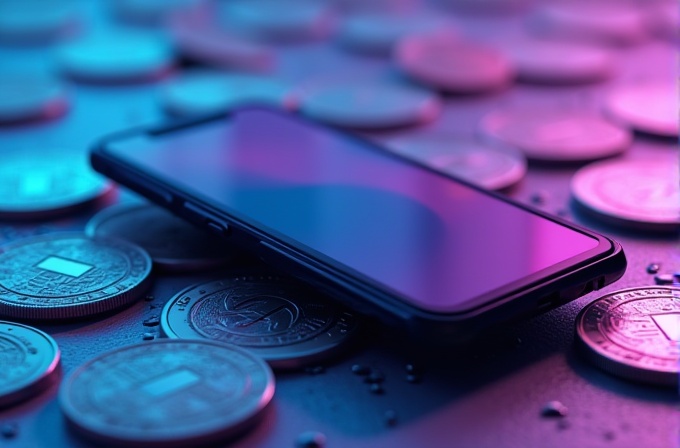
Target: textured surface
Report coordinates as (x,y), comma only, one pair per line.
(491,395)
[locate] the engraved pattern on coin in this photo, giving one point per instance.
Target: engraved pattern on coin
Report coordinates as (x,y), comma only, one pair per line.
(638,328)
(279,319)
(168,391)
(28,357)
(68,270)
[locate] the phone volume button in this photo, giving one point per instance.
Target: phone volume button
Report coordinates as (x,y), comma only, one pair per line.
(204,218)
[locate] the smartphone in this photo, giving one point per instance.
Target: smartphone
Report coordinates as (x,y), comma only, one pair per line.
(388,236)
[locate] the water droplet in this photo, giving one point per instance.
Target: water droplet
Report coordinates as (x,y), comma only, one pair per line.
(609,435)
(316,370)
(152,321)
(411,368)
(539,197)
(376,389)
(359,369)
(554,409)
(653,268)
(9,430)
(391,418)
(32,350)
(376,376)
(150,298)
(663,279)
(563,424)
(311,439)
(414,378)
(148,336)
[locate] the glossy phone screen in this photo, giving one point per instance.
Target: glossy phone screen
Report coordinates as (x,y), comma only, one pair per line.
(429,240)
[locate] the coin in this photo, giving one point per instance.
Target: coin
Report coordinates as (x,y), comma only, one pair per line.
(285,322)
(377,33)
(445,62)
(370,105)
(167,393)
(29,360)
(650,108)
(551,135)
(487,167)
(203,91)
(634,333)
(116,57)
(36,20)
(642,194)
(152,12)
(44,186)
(27,96)
(67,275)
(173,243)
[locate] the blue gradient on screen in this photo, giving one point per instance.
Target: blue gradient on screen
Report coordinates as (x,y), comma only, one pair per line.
(439,243)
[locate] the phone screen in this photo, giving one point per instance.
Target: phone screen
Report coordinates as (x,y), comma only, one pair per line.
(432,241)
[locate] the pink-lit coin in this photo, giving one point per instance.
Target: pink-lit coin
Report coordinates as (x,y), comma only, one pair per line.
(36,20)
(487,6)
(650,108)
(555,135)
(490,168)
(279,19)
(198,37)
(203,91)
(642,194)
(167,393)
(29,360)
(663,20)
(378,33)
(370,105)
(118,57)
(558,63)
(634,333)
(446,63)
(604,21)
(31,96)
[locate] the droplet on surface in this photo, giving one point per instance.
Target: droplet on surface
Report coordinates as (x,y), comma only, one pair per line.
(359,369)
(554,409)
(9,430)
(663,279)
(377,389)
(376,376)
(148,336)
(653,268)
(311,439)
(414,378)
(390,418)
(152,321)
(150,298)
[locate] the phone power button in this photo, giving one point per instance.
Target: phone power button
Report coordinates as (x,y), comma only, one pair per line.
(206,219)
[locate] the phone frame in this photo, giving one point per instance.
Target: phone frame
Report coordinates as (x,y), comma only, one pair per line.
(536,293)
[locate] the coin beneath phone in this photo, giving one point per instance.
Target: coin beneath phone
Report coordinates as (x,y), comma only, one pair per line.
(167,393)
(277,318)
(634,333)
(173,243)
(42,187)
(642,194)
(67,275)
(29,360)
(487,167)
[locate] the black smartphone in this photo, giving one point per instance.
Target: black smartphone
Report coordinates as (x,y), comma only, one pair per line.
(386,235)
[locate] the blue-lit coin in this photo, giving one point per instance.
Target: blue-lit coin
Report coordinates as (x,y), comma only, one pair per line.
(203,92)
(29,360)
(116,57)
(28,96)
(486,6)
(152,12)
(61,276)
(370,105)
(42,185)
(377,33)
(487,167)
(173,243)
(282,320)
(169,393)
(36,20)
(279,19)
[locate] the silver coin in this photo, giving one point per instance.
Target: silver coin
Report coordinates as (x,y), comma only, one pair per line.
(283,321)
(168,393)
(370,105)
(445,62)
(650,108)
(610,22)
(642,194)
(173,243)
(551,135)
(634,333)
(279,19)
(378,33)
(36,20)
(51,184)
(116,57)
(202,91)
(29,360)
(487,167)
(67,275)
(31,96)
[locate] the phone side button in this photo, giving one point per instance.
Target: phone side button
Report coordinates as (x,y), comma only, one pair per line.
(203,218)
